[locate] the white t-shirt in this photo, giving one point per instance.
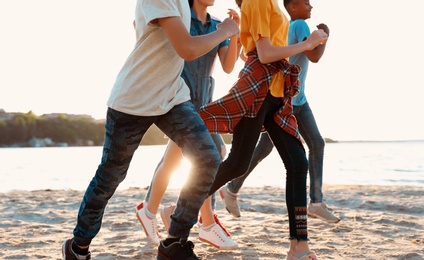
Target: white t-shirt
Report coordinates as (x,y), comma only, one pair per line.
(150,82)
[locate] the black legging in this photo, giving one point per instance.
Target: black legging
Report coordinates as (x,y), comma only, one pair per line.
(292,153)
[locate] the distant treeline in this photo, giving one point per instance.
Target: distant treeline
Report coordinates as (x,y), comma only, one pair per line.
(19,129)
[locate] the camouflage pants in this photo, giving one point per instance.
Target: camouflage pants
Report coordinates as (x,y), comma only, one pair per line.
(124,132)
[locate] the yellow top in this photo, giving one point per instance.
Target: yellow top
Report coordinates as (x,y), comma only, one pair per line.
(264,18)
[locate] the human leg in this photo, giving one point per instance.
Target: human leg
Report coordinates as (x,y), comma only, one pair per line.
(262,150)
(238,160)
(168,164)
(309,131)
(228,193)
(123,135)
(294,158)
(146,211)
(222,149)
(184,126)
(211,229)
(245,136)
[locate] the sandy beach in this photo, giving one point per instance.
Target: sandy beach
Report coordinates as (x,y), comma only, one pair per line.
(377,222)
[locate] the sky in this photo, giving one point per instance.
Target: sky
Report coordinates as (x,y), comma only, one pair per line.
(61,56)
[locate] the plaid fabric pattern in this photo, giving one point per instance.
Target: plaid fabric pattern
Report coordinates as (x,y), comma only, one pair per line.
(248,93)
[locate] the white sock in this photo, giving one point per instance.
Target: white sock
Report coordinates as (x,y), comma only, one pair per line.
(208,227)
(149,214)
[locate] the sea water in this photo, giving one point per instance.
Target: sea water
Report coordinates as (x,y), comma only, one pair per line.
(362,163)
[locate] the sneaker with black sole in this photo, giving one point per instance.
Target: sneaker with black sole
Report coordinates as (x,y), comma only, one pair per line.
(181,249)
(69,254)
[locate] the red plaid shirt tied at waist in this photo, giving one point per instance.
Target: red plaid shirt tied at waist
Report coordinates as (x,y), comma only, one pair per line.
(248,93)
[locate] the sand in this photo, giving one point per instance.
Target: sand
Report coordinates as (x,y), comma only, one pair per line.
(377,222)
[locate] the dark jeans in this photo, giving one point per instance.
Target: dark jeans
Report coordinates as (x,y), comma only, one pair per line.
(123,135)
(217,139)
(309,131)
(291,151)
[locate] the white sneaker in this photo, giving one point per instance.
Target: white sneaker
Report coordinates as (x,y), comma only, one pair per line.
(165,215)
(321,211)
(230,201)
(149,225)
(217,238)
(215,217)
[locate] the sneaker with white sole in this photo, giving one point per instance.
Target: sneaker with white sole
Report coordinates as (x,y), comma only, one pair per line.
(149,225)
(320,210)
(230,201)
(216,237)
(165,215)
(215,217)
(69,254)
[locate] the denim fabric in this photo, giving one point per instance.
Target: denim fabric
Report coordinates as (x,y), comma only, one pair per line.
(217,139)
(291,151)
(123,135)
(309,131)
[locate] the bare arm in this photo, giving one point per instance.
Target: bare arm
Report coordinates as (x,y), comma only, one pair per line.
(315,54)
(268,53)
(228,55)
(191,47)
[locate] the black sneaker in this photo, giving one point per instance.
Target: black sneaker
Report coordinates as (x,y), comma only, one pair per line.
(179,250)
(69,254)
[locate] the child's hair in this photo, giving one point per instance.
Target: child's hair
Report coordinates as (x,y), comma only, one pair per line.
(287,2)
(238,3)
(190,2)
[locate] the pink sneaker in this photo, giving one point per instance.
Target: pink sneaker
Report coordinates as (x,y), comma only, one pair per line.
(165,215)
(230,201)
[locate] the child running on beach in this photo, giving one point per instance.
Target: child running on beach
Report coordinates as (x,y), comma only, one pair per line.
(261,100)
(197,75)
(142,96)
(299,11)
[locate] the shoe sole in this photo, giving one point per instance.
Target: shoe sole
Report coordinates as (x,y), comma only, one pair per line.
(64,250)
(326,220)
(216,246)
(144,229)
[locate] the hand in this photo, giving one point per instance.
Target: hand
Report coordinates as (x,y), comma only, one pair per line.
(229,26)
(234,15)
(317,37)
(324,27)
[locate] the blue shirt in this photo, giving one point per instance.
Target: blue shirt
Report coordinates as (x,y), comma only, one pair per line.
(197,73)
(298,32)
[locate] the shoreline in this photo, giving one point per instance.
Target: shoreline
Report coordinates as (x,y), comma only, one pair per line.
(377,222)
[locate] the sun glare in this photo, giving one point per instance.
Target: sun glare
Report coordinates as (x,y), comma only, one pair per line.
(179,177)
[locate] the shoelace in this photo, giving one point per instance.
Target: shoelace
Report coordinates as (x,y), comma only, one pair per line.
(188,246)
(215,216)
